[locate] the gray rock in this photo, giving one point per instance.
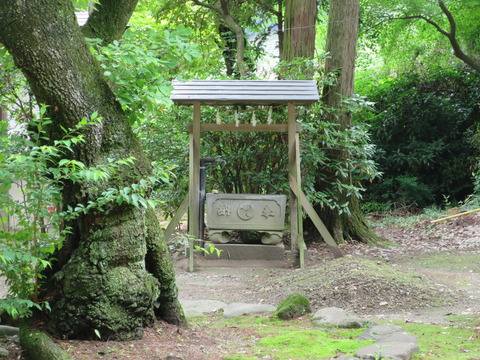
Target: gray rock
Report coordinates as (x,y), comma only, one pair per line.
(388,350)
(239,309)
(8,331)
(173,357)
(347,358)
(378,332)
(4,352)
(199,307)
(333,316)
(398,338)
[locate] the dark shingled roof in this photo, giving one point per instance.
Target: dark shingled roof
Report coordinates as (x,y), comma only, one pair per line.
(248,92)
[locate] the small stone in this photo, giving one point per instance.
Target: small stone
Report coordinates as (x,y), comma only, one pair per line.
(239,309)
(333,316)
(4,352)
(8,331)
(199,307)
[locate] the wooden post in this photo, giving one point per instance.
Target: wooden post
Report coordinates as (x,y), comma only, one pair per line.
(194,182)
(3,113)
(292,170)
(300,240)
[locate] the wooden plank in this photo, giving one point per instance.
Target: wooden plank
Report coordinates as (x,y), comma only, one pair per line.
(253,92)
(194,182)
(176,218)
(245,82)
(292,170)
(243,100)
(248,91)
(322,229)
(298,176)
(246,127)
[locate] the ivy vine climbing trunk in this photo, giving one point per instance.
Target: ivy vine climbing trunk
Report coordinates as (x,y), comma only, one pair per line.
(341,49)
(114,274)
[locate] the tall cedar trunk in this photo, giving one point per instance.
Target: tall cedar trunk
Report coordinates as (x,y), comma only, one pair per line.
(341,47)
(102,280)
(299,32)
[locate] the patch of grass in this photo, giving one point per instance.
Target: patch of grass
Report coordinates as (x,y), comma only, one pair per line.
(449,261)
(284,340)
(309,344)
(467,320)
(452,342)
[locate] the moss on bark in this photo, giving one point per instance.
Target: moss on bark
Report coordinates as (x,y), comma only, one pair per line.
(38,346)
(100,281)
(158,263)
(105,286)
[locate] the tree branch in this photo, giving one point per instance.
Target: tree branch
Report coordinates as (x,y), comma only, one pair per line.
(269,8)
(109,19)
(453,40)
(208,6)
(450,35)
(430,21)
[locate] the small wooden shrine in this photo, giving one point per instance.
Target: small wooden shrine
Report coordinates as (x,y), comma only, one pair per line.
(219,93)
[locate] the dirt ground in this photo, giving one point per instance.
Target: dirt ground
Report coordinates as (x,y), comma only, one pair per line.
(423,273)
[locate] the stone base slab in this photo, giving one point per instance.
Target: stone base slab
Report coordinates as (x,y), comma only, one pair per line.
(248,252)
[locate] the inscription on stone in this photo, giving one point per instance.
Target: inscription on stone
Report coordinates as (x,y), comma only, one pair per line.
(245,211)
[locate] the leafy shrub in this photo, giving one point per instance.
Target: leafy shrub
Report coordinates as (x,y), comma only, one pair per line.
(421,126)
(32,224)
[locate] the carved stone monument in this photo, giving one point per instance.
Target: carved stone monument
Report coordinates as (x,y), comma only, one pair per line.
(263,213)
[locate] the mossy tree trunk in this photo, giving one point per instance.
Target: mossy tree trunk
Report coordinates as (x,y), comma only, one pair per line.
(114,268)
(341,47)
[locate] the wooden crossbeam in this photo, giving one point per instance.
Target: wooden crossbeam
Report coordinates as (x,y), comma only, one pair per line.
(245,127)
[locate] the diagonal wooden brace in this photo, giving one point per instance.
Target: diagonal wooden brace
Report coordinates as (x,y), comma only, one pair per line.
(322,229)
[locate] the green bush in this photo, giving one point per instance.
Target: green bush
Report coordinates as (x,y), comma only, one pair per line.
(422,126)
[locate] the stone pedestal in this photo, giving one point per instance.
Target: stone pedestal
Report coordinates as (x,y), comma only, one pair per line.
(248,252)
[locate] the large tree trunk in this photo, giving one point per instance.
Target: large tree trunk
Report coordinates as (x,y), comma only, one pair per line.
(102,280)
(341,47)
(299,32)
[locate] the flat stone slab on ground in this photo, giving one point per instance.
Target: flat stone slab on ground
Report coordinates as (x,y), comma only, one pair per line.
(388,350)
(248,252)
(7,331)
(239,309)
(392,342)
(333,316)
(199,307)
(378,332)
(399,338)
